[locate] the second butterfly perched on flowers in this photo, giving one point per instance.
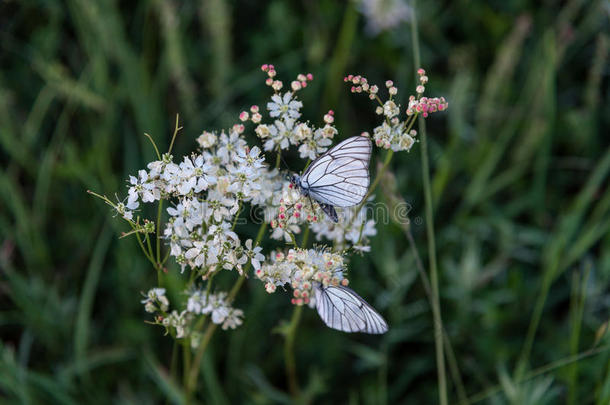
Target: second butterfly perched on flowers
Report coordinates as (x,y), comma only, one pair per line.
(316,277)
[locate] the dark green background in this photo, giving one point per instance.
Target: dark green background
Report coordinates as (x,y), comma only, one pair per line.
(520,166)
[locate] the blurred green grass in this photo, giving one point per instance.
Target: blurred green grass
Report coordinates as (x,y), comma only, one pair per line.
(520,185)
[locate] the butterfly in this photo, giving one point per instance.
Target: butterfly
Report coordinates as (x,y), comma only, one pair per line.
(342,309)
(339,177)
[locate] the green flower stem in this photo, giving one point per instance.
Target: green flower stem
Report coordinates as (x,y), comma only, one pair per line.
(193,371)
(177,129)
(289,358)
(152,261)
(451,358)
(237,216)
(436,309)
(186,362)
(159,212)
(159,265)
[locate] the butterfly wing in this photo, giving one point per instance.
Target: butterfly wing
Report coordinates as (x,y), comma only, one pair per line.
(342,309)
(330,211)
(340,177)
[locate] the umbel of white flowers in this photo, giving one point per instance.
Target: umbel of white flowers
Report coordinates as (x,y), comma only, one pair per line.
(206,191)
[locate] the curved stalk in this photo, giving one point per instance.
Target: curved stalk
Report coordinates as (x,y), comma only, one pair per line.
(436,309)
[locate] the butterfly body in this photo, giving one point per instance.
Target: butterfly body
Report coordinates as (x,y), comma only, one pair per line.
(339,177)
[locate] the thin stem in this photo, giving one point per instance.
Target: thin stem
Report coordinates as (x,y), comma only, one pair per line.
(159,212)
(152,261)
(135,226)
(186,363)
(176,130)
(436,308)
(451,358)
(237,216)
(174,361)
(193,372)
(289,358)
(152,256)
(291,368)
(153,144)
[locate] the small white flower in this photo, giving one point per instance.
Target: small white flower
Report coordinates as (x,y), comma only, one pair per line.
(284,106)
(382,15)
(143,187)
(256,257)
(233,319)
(154,297)
(263,131)
(390,109)
(206,139)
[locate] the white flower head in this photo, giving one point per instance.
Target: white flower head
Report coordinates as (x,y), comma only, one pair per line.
(284,106)
(207,139)
(383,15)
(155,300)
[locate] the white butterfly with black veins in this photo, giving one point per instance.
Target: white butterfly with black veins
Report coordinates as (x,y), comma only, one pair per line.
(339,177)
(342,309)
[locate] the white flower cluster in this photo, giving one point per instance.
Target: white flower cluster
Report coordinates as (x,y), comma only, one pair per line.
(286,129)
(198,303)
(383,15)
(223,313)
(207,190)
(155,300)
(302,269)
(393,133)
